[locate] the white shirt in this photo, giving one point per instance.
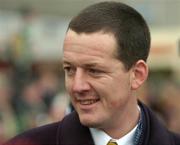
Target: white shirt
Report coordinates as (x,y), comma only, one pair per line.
(101,138)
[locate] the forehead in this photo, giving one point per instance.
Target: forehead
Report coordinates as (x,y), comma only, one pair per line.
(98,42)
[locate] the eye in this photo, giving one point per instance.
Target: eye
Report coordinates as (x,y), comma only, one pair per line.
(94,71)
(69,70)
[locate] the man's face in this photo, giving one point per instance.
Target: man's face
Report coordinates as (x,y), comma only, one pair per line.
(99,85)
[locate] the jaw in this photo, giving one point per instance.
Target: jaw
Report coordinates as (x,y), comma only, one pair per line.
(89,112)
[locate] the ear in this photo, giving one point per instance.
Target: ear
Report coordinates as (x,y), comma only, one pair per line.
(139,74)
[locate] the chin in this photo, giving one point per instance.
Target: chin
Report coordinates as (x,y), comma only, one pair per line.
(86,121)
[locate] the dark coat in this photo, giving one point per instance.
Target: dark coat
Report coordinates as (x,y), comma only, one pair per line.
(71,132)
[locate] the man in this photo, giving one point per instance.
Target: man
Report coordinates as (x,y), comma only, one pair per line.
(105,52)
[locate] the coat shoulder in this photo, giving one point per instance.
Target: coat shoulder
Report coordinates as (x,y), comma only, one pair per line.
(156,131)
(43,135)
(176,138)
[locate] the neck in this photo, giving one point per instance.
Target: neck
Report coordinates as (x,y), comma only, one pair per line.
(126,121)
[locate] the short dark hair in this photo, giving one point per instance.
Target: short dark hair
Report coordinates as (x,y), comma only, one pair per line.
(128,26)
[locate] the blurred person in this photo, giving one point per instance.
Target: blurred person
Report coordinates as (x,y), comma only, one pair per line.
(59,108)
(30,106)
(21,42)
(7,117)
(105,51)
(48,82)
(2,136)
(19,47)
(169,98)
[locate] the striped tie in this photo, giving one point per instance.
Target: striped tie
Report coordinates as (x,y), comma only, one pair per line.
(111,142)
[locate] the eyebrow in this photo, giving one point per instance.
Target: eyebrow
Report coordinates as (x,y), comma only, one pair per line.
(88,65)
(65,62)
(91,65)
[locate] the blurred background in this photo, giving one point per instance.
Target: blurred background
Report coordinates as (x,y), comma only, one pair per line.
(31,78)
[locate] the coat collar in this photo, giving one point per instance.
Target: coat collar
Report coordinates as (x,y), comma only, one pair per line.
(72,132)
(154,132)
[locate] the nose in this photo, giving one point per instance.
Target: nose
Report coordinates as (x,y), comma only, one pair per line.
(80,83)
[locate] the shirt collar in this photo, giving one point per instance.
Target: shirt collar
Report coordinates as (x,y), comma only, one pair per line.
(101,138)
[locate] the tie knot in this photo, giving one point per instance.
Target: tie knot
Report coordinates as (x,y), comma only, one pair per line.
(112,142)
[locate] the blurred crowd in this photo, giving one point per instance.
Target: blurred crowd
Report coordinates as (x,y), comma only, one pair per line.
(30,101)
(31,92)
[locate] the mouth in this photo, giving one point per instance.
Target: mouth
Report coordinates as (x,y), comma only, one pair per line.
(88,101)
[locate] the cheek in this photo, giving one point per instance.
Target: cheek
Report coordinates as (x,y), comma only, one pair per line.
(117,92)
(114,104)
(67,84)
